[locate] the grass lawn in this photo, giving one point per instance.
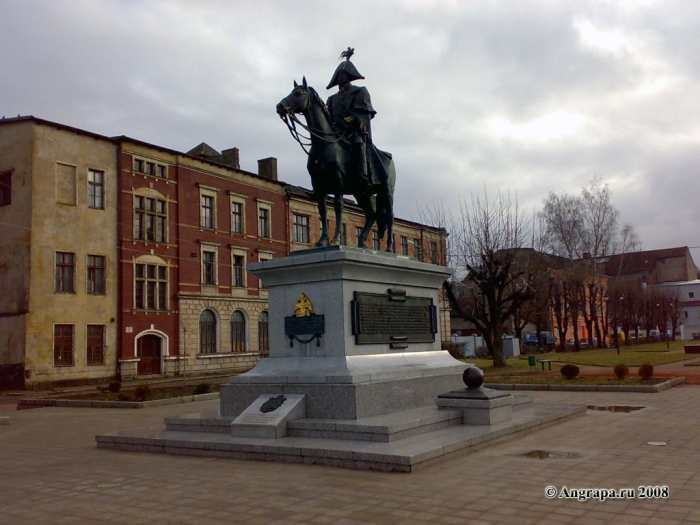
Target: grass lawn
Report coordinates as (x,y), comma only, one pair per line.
(559,380)
(633,355)
(515,365)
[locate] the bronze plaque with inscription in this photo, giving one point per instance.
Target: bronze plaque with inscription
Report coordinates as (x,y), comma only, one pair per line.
(393,318)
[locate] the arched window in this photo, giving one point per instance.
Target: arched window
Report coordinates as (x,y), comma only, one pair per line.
(263,333)
(237,331)
(207,332)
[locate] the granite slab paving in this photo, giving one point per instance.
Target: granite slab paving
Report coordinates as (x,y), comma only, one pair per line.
(51,472)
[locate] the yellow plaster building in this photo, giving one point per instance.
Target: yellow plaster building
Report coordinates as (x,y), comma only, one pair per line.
(58,253)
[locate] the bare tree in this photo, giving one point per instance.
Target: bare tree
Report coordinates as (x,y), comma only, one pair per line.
(585,229)
(564,225)
(485,238)
(600,227)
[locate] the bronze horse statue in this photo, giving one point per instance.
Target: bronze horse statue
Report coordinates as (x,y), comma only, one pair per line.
(333,170)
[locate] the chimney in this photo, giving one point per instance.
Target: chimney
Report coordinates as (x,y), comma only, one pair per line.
(268,168)
(230,157)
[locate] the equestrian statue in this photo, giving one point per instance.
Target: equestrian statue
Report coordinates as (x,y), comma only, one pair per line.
(342,157)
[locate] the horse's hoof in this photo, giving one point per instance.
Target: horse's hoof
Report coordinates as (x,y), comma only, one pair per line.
(335,242)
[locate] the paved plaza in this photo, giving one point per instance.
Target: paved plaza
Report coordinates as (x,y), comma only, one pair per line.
(51,472)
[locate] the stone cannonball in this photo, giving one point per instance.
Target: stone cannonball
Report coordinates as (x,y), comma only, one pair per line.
(473,377)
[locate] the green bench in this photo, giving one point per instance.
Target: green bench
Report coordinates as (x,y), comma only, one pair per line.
(546,361)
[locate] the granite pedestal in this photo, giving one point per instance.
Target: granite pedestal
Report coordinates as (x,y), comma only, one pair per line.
(341,378)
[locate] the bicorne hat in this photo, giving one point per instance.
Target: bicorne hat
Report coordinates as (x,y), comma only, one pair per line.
(351,71)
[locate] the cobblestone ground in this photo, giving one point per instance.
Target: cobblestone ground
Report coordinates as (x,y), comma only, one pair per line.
(52,473)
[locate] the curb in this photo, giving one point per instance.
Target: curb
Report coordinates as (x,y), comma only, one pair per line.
(649,389)
(26,404)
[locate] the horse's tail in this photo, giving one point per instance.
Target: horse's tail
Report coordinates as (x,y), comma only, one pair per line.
(385,211)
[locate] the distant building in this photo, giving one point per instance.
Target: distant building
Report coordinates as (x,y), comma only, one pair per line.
(654,266)
(120,258)
(688,294)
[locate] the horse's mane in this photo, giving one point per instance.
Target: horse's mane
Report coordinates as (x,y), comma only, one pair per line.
(321,103)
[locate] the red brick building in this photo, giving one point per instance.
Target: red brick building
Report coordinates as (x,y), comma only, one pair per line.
(188,227)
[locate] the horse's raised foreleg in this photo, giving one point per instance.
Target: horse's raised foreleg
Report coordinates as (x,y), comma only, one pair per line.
(338,207)
(323,212)
(364,202)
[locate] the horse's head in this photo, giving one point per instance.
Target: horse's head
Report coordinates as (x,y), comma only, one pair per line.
(296,102)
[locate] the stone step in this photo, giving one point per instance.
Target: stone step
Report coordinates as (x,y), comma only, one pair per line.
(403,455)
(386,428)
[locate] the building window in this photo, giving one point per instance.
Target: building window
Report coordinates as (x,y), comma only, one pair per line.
(417,251)
(376,245)
(150,219)
(691,295)
(207,212)
(150,168)
(434,253)
(207,332)
(236,217)
(6,188)
(358,236)
(301,228)
(264,333)
(404,245)
(237,332)
(266,256)
(65,272)
(95,344)
(96,274)
(96,189)
(209,267)
(264,223)
(238,271)
(344,235)
(151,287)
(63,336)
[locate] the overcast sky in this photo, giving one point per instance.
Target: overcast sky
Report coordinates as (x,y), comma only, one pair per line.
(529,96)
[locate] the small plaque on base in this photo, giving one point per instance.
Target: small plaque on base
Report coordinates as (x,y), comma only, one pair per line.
(268,415)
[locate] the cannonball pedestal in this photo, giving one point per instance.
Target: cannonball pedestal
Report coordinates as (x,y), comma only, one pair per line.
(480,406)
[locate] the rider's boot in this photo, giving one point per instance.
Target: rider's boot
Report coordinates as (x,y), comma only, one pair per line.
(360,154)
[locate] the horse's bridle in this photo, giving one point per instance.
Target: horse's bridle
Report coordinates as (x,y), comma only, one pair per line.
(291,120)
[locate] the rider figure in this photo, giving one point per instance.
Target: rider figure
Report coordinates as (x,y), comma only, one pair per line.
(351,111)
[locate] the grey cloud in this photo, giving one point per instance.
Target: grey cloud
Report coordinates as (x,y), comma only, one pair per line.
(177,73)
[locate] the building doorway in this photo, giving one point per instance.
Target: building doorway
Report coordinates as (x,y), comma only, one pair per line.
(150,351)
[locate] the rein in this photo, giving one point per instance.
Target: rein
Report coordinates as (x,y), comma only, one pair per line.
(296,135)
(291,120)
